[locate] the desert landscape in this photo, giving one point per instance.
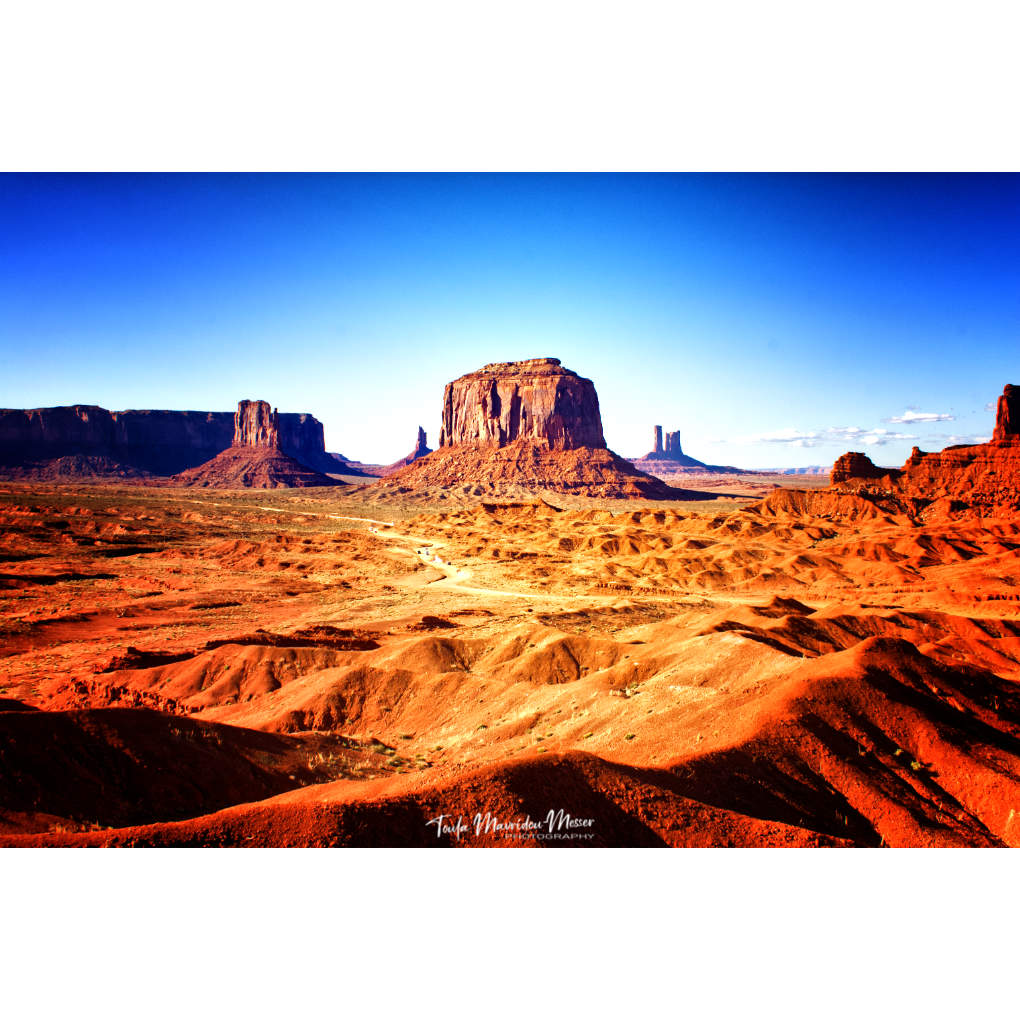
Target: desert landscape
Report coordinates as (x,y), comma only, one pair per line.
(232,638)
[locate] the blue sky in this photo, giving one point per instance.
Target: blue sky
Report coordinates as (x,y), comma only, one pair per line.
(773,320)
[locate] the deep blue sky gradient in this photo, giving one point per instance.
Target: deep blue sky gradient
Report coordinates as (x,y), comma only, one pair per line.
(754,313)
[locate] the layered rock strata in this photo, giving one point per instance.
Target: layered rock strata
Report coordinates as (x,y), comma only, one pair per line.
(56,441)
(256,425)
(255,459)
(855,465)
(984,477)
(519,427)
(536,400)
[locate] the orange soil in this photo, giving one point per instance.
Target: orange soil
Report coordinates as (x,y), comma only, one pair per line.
(521,467)
(252,467)
(267,669)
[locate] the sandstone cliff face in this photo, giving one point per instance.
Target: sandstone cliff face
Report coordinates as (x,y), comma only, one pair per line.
(1007,415)
(536,400)
(302,437)
(50,441)
(520,427)
(854,465)
(255,459)
(162,442)
(985,476)
(82,429)
(256,424)
(982,479)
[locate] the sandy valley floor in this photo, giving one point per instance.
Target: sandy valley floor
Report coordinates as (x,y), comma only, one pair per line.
(319,667)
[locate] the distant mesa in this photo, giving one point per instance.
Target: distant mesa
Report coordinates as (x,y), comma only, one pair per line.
(254,459)
(520,426)
(984,477)
(84,442)
(855,465)
(669,458)
(344,465)
(672,449)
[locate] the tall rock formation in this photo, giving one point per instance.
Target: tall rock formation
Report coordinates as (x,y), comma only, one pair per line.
(519,427)
(669,459)
(256,425)
(1007,416)
(536,400)
(255,459)
(421,449)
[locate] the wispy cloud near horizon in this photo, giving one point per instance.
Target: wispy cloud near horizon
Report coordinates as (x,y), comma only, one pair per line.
(954,440)
(831,436)
(910,417)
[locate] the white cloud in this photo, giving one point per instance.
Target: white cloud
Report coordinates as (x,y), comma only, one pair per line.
(967,440)
(833,436)
(870,437)
(793,437)
(912,417)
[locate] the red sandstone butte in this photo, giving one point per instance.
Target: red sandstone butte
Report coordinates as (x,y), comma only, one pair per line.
(523,426)
(254,460)
(537,400)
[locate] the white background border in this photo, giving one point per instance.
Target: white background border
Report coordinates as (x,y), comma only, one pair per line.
(523,86)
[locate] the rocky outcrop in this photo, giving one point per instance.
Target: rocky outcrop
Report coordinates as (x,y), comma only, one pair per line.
(1007,416)
(255,424)
(982,479)
(986,477)
(669,459)
(255,459)
(855,465)
(537,400)
(522,469)
(50,441)
(517,428)
(421,449)
(671,450)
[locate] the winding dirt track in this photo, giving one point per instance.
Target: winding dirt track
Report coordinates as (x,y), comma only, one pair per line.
(454,576)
